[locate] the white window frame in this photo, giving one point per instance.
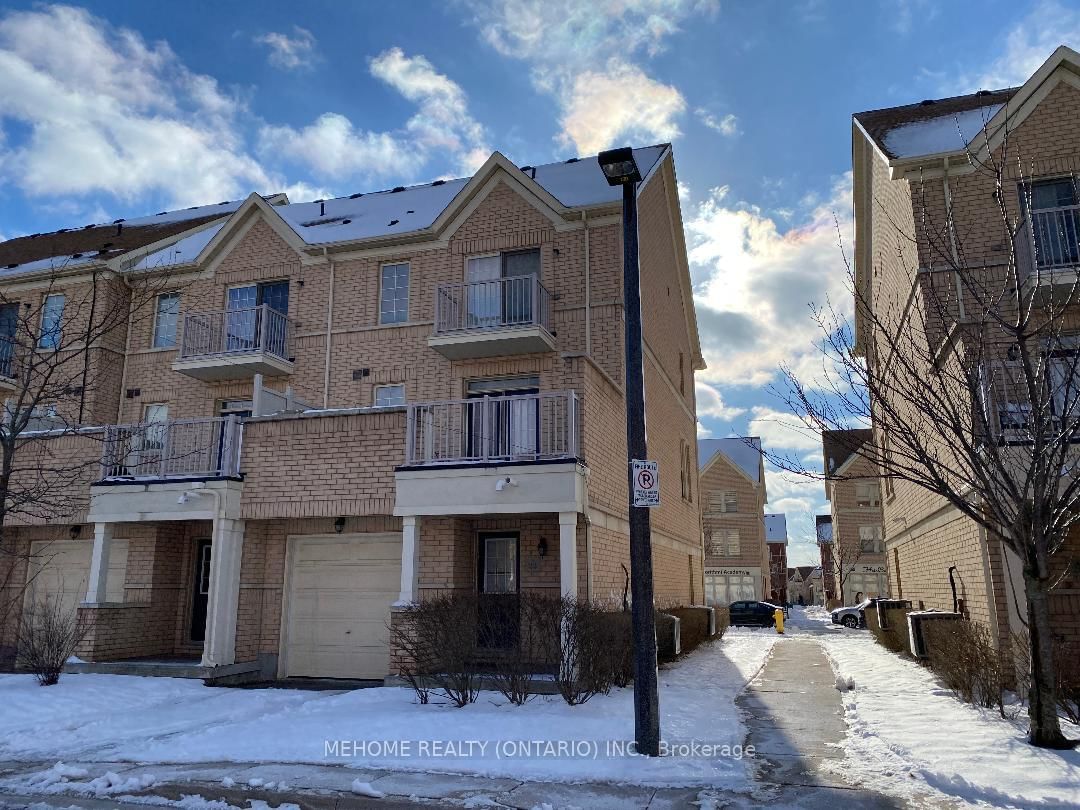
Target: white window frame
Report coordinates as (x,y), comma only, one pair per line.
(870,495)
(56,335)
(723,501)
(379,388)
(157,322)
(870,533)
(408,288)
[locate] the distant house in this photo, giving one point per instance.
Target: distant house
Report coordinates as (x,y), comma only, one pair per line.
(776,539)
(824,528)
(803,586)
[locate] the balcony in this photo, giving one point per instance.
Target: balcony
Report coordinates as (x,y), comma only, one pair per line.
(1048,248)
(235,343)
(489,318)
(491,455)
(181,449)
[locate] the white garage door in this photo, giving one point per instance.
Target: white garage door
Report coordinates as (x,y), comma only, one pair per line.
(62,568)
(340,588)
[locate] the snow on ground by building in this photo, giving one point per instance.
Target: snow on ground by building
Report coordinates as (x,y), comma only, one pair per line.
(907,735)
(97,718)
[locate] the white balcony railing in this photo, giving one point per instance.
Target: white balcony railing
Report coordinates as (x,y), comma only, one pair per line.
(1049,239)
(484,430)
(181,448)
(495,304)
(236,331)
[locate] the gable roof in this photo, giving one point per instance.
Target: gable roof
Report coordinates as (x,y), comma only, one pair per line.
(839,446)
(743,453)
(776,527)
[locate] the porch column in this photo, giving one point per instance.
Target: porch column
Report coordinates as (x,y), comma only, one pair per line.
(99,564)
(226,550)
(410,558)
(568,574)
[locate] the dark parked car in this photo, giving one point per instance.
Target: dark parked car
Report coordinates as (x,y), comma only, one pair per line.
(754,614)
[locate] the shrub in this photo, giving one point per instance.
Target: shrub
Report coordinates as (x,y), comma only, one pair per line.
(693,626)
(723,621)
(1066,654)
(962,654)
(48,635)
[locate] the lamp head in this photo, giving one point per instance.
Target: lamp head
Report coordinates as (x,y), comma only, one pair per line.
(619,166)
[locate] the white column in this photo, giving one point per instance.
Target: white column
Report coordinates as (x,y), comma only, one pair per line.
(568,574)
(99,564)
(227,548)
(410,558)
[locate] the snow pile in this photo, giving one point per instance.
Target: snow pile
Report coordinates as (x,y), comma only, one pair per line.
(57,774)
(365,789)
(901,721)
(177,721)
(111,783)
(844,684)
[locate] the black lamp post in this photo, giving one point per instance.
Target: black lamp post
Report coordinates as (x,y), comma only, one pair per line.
(620,169)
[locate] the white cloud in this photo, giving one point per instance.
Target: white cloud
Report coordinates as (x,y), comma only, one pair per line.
(290,52)
(585,55)
(108,112)
(780,431)
(754,282)
(334,147)
(710,402)
(726,125)
(1026,46)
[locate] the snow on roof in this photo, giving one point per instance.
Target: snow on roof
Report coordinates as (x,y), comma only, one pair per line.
(776,527)
(53,263)
(744,453)
(945,133)
(195,212)
(182,251)
(575,183)
(362,216)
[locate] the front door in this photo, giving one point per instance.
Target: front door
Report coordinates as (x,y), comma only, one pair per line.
(498,580)
(200,598)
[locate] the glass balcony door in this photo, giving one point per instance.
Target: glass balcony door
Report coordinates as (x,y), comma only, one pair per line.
(243,321)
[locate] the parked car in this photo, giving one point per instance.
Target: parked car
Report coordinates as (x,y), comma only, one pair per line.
(853,616)
(753,614)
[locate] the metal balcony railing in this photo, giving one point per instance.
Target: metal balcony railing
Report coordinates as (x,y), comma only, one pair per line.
(1049,239)
(484,430)
(494,304)
(181,448)
(236,331)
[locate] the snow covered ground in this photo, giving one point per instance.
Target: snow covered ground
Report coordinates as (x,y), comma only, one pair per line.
(98,718)
(908,736)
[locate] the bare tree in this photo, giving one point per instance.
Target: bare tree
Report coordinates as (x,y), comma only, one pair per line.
(969,377)
(842,559)
(63,332)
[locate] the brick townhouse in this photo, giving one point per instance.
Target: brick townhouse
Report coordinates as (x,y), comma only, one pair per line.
(733,498)
(823,530)
(853,490)
(341,405)
(776,538)
(910,166)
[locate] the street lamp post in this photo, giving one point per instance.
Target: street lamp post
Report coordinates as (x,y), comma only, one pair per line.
(620,169)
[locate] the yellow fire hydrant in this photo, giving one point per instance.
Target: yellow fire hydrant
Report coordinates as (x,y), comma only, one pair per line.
(778,615)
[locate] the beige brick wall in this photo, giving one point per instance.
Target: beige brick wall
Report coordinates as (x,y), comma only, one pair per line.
(749,519)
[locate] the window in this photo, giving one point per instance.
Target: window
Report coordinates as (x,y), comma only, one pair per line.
(168,311)
(723,502)
(44,417)
(52,316)
(1055,221)
(870,539)
(500,289)
(394,303)
(725,543)
(245,327)
(388,396)
(867,494)
(154,418)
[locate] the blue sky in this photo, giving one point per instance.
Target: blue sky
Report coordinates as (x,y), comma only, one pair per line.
(110,110)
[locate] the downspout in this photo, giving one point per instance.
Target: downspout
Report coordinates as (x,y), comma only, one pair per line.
(952,584)
(952,238)
(588,288)
(127,353)
(329,330)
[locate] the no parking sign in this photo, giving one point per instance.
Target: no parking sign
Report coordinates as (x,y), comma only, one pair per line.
(646,483)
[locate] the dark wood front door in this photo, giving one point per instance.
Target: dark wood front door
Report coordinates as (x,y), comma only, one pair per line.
(498,577)
(200,597)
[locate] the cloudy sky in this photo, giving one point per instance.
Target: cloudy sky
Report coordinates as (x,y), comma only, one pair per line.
(110,110)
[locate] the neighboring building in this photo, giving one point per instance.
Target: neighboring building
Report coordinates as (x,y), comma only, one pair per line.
(803,586)
(852,488)
(733,501)
(824,529)
(445,413)
(910,167)
(776,538)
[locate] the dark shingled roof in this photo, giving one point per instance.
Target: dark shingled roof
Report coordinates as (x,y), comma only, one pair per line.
(840,445)
(879,123)
(25,249)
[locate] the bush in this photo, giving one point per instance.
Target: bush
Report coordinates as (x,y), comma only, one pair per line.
(1066,654)
(693,626)
(962,654)
(723,620)
(48,635)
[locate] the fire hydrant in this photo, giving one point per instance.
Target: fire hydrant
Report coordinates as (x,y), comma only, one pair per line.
(778,615)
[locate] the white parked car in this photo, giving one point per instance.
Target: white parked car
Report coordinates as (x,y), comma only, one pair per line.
(853,616)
